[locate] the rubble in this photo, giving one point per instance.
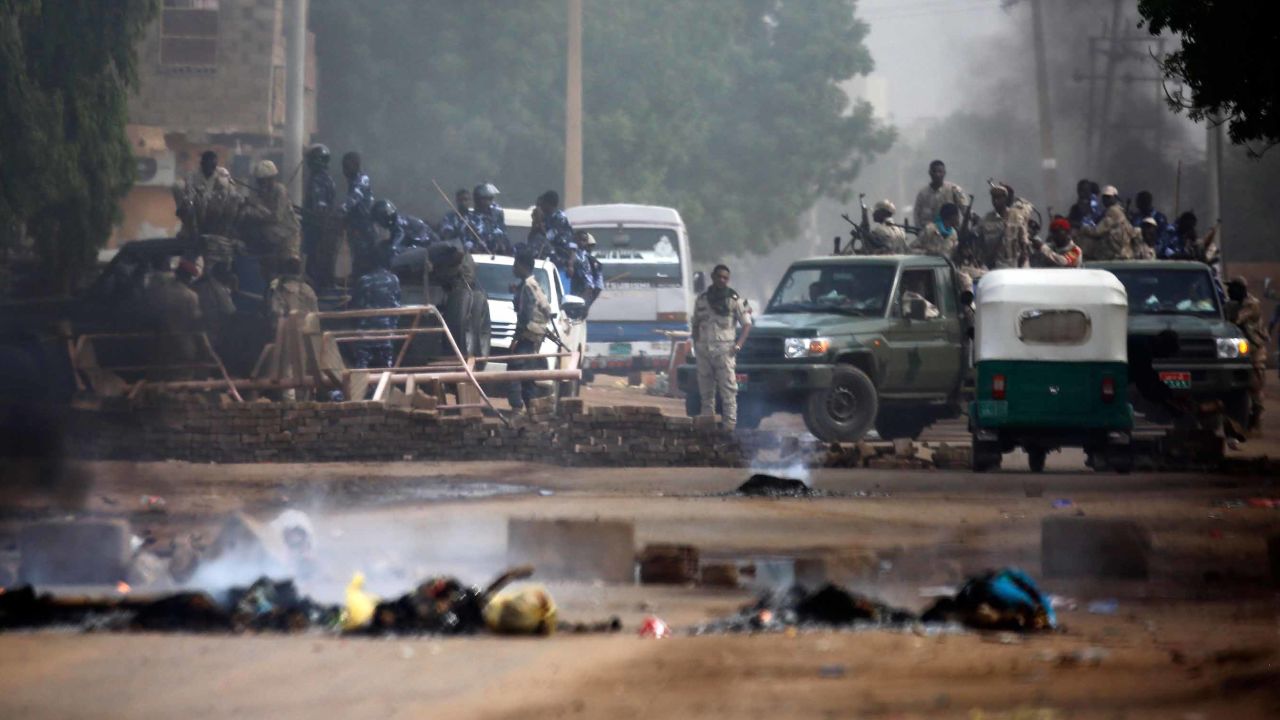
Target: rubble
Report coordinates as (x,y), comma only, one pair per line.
(761,485)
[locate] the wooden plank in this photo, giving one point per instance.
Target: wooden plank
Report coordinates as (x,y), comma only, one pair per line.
(208,346)
(380,393)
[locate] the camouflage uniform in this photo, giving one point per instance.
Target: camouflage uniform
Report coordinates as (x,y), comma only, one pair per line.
(713,337)
(935,239)
(886,239)
(207,205)
(321,229)
(290,293)
(356,209)
(270,214)
(1113,236)
(1005,240)
(416,231)
(175,312)
(1247,314)
(491,226)
(379,288)
(533,314)
(558,230)
(930,201)
(216,305)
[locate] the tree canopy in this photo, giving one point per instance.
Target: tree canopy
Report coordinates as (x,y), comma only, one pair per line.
(65,163)
(1226,61)
(727,110)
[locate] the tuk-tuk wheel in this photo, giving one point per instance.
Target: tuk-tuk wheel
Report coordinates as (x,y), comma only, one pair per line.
(1036,458)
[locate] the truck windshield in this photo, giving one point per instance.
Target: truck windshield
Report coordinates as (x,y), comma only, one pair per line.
(854,290)
(498,281)
(638,257)
(1170,292)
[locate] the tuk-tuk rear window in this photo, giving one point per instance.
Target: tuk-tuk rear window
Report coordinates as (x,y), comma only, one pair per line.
(1054,327)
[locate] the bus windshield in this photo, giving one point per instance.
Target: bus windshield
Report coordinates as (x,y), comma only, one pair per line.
(638,257)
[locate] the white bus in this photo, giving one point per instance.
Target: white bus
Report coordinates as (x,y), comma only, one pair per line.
(647,284)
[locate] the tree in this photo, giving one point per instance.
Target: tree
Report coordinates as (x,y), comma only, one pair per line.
(65,162)
(727,110)
(1226,62)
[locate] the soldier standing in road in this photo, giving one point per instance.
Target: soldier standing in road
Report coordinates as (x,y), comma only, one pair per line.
(357,210)
(716,317)
(938,192)
(1113,235)
(938,237)
(886,238)
(270,213)
(377,288)
(533,314)
(1246,311)
(319,232)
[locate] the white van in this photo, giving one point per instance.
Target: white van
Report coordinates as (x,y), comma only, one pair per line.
(647,284)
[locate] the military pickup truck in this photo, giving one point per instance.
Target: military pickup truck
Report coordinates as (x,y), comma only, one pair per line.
(1212,361)
(853,343)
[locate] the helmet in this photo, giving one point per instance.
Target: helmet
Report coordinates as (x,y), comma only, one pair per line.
(1110,190)
(588,239)
(383,212)
(318,154)
(486,190)
(887,206)
(265,169)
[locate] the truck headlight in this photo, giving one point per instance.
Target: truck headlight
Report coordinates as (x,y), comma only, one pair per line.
(1231,348)
(806,347)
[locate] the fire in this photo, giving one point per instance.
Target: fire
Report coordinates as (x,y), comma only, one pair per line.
(123,588)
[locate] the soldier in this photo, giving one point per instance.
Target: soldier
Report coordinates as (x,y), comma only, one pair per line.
(1060,250)
(938,192)
(885,238)
(554,222)
(1147,245)
(1113,234)
(288,294)
(319,202)
(417,232)
(533,313)
(938,237)
(453,226)
(386,223)
(489,222)
(175,312)
(356,209)
(1143,208)
(1246,312)
(207,202)
(593,269)
(214,288)
(1003,234)
(377,288)
(716,316)
(270,214)
(1086,212)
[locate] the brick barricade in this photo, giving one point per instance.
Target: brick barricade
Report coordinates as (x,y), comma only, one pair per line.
(638,436)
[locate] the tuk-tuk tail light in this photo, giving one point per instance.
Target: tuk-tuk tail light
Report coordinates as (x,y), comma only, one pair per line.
(1108,389)
(997,386)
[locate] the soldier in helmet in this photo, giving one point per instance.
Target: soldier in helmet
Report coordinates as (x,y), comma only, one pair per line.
(320,234)
(356,208)
(270,216)
(489,223)
(1245,311)
(885,237)
(386,222)
(1003,234)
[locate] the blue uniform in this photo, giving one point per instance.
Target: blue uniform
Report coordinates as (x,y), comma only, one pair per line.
(559,231)
(491,226)
(356,208)
(1166,234)
(416,232)
(317,201)
(452,225)
(377,289)
(1086,217)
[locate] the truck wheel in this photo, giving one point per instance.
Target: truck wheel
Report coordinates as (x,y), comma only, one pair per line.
(986,456)
(846,410)
(1036,458)
(897,423)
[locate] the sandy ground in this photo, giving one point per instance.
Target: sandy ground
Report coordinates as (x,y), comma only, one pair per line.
(1199,639)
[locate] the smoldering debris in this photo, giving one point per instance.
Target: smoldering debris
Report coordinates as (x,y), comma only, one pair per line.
(762,485)
(999,600)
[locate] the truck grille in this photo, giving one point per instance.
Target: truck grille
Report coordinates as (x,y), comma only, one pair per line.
(505,330)
(761,349)
(1197,349)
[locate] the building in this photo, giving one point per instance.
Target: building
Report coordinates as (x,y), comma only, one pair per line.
(211,77)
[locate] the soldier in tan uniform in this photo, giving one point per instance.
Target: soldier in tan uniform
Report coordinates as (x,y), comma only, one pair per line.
(886,238)
(1113,236)
(270,214)
(1145,243)
(533,315)
(938,237)
(716,317)
(289,300)
(1246,311)
(938,192)
(1003,233)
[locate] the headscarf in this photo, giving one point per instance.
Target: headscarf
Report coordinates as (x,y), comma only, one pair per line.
(719,299)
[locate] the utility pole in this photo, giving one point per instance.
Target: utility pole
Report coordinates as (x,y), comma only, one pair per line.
(295,121)
(1213,152)
(1113,62)
(573,110)
(1048,162)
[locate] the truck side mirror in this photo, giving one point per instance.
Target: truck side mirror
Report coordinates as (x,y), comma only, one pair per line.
(916,309)
(699,282)
(575,308)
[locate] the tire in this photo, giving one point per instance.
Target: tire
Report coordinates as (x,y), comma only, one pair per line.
(986,456)
(1036,458)
(846,410)
(899,423)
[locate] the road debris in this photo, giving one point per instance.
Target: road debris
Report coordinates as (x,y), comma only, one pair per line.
(653,628)
(761,485)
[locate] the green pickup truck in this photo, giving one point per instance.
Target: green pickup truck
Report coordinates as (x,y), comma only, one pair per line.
(853,343)
(1181,296)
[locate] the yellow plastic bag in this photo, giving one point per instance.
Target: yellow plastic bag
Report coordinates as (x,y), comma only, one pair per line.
(360,604)
(521,610)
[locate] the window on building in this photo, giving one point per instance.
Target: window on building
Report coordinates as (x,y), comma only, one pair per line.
(189,34)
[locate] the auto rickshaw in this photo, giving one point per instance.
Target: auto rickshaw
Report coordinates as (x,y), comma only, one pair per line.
(1051,367)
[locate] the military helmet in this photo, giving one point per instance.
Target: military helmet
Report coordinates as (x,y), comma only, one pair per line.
(887,206)
(383,212)
(318,154)
(486,190)
(265,169)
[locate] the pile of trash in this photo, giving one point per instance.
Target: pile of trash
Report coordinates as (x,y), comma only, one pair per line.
(1004,600)
(443,606)
(762,485)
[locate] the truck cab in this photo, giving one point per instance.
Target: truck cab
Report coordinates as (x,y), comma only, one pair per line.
(853,343)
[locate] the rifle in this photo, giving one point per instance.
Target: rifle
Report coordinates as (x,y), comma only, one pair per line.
(963,231)
(866,220)
(480,243)
(905,227)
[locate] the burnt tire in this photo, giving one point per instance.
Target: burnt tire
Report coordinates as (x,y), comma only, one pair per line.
(896,423)
(845,410)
